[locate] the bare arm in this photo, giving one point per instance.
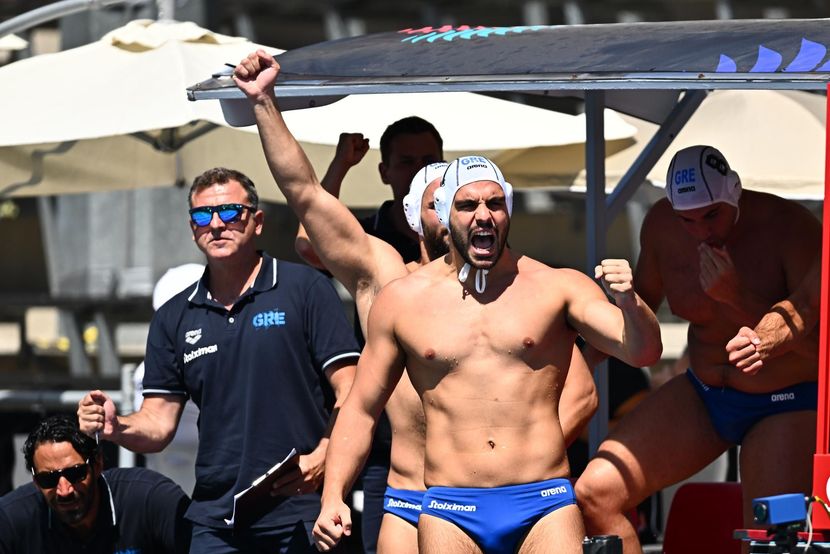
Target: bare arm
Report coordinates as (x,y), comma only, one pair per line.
(579,398)
(790,325)
(648,283)
(378,372)
(351,148)
(148,430)
(353,257)
(721,282)
(628,330)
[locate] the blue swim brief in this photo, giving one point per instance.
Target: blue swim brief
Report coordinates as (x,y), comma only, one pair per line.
(733,412)
(497,518)
(403,503)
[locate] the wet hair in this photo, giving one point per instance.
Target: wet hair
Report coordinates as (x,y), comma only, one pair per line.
(221,175)
(411,125)
(59,428)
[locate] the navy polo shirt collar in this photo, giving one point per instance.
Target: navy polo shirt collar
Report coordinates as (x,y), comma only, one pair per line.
(265,280)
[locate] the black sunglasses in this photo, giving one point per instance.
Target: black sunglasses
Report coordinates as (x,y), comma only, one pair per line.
(228,213)
(50,479)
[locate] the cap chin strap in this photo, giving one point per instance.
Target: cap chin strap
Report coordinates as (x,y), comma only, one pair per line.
(481,277)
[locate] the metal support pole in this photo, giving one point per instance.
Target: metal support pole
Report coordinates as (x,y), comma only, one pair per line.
(655,148)
(595,230)
(126,458)
(108,362)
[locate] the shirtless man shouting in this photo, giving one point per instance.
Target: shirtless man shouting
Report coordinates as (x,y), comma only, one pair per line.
(721,257)
(364,264)
(486,336)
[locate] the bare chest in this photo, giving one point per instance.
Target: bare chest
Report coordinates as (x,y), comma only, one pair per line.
(757,271)
(515,332)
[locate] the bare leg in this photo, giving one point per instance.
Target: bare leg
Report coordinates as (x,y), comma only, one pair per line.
(777,458)
(438,536)
(666,439)
(397,536)
(559,531)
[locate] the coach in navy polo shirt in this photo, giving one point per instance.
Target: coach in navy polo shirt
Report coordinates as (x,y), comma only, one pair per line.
(72,506)
(259,344)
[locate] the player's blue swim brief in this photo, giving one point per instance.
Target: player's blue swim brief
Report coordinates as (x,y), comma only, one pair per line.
(497,518)
(733,412)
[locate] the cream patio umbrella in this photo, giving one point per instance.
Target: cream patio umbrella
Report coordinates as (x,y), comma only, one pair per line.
(114,115)
(773,139)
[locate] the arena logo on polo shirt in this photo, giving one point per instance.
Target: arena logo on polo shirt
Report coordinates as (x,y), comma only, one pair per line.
(269,319)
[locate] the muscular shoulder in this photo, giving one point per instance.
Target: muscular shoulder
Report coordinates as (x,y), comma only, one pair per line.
(659,218)
(544,277)
(765,208)
(412,286)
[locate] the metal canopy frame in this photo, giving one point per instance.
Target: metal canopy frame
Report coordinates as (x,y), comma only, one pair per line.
(809,69)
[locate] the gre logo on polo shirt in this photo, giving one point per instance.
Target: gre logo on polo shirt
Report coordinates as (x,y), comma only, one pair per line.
(193,336)
(268,319)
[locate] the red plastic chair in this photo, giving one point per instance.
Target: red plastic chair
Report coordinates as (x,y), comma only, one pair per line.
(702,518)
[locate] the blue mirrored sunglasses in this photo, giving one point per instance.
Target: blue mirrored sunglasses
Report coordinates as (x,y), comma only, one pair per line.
(228,213)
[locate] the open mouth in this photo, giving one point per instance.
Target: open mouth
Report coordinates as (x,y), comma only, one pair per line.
(483,242)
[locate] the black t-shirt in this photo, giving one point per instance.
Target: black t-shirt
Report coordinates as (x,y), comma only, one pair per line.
(257,374)
(139,512)
(381,226)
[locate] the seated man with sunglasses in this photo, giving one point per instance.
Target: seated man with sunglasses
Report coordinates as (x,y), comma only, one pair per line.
(74,506)
(264,349)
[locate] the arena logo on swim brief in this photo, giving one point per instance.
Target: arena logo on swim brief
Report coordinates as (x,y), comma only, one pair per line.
(782,396)
(561,489)
(199,352)
(452,506)
(465,32)
(394,503)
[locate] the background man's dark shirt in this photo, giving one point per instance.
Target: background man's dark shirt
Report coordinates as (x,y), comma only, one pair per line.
(140,512)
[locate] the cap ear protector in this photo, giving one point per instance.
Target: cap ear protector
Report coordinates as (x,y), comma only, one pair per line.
(414,198)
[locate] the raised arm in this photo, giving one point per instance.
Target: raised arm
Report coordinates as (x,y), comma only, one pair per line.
(628,330)
(353,257)
(378,372)
(351,148)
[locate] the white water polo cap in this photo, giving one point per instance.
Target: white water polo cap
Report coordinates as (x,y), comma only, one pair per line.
(413,199)
(463,171)
(700,176)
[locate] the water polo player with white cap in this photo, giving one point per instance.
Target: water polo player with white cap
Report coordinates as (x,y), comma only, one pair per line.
(461,172)
(700,176)
(705,193)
